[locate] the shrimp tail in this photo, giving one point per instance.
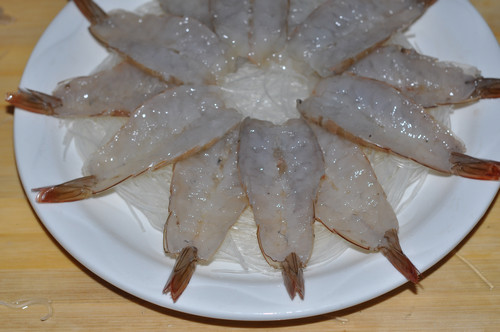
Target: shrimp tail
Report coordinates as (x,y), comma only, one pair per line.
(70,191)
(184,267)
(293,276)
(34,101)
(487,88)
(474,168)
(91,11)
(393,252)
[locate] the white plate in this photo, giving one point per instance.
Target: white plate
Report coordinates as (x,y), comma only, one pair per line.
(102,234)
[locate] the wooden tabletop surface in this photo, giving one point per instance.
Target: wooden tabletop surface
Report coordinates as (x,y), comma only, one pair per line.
(460,293)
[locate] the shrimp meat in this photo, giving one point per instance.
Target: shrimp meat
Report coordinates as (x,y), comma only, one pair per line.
(352,203)
(426,80)
(252,28)
(206,199)
(280,167)
(170,126)
(338,33)
(177,49)
(378,115)
(198,9)
(117,91)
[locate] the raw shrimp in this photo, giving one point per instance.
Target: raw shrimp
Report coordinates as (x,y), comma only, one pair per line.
(117,91)
(170,126)
(252,28)
(178,49)
(280,167)
(299,11)
(198,9)
(206,200)
(338,33)
(374,113)
(352,203)
(425,79)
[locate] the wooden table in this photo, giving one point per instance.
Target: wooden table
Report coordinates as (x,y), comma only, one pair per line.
(460,293)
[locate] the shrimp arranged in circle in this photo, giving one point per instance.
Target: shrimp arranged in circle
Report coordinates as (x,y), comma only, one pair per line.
(289,174)
(281,166)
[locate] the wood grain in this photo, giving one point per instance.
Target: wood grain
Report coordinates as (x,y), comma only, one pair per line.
(451,296)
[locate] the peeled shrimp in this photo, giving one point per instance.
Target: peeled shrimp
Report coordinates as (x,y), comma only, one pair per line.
(168,127)
(425,79)
(338,33)
(299,11)
(280,167)
(117,91)
(198,9)
(178,49)
(252,28)
(206,200)
(352,203)
(373,113)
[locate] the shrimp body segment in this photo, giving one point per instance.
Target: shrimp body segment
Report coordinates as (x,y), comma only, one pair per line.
(352,203)
(170,126)
(252,28)
(338,33)
(198,9)
(117,91)
(426,80)
(280,167)
(378,115)
(299,11)
(178,49)
(206,200)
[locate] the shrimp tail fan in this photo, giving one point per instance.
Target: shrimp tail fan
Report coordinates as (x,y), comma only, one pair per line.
(91,11)
(293,276)
(474,168)
(181,274)
(487,88)
(70,191)
(34,101)
(398,259)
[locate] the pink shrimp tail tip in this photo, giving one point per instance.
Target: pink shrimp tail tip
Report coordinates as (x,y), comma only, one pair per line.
(293,276)
(474,168)
(182,273)
(398,259)
(74,190)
